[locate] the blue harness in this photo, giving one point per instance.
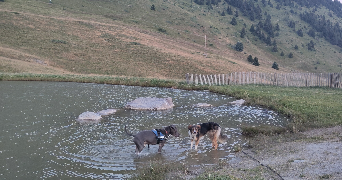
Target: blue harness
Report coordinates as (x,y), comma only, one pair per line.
(160,136)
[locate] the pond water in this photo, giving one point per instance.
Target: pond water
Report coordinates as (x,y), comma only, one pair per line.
(40,138)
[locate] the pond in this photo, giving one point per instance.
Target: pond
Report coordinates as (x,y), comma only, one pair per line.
(40,137)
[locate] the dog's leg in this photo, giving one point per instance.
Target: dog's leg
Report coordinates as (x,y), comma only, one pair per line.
(160,146)
(196,144)
(191,143)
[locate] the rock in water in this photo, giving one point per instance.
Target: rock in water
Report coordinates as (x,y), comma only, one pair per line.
(149,103)
(238,102)
(202,105)
(89,116)
(106,112)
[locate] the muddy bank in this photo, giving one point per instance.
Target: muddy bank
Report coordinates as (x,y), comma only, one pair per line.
(315,154)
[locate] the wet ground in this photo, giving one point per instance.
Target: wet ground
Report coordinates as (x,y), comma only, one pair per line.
(315,154)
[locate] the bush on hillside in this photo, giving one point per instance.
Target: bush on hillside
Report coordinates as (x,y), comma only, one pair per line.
(239,46)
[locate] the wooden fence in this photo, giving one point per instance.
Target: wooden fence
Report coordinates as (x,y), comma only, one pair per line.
(277,79)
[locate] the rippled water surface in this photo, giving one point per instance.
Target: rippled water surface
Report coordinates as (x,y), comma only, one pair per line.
(40,138)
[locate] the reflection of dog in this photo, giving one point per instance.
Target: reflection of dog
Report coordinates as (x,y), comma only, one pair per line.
(156,136)
(197,132)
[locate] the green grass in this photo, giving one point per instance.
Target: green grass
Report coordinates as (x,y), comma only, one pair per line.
(308,107)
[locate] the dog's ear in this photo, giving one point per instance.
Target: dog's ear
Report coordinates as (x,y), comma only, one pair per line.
(190,127)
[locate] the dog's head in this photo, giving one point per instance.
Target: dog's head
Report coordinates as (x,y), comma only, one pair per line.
(194,129)
(173,130)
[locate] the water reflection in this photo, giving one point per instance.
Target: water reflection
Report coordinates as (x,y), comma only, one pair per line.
(41,139)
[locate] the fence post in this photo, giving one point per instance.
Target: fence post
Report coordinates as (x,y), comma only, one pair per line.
(187,78)
(200,77)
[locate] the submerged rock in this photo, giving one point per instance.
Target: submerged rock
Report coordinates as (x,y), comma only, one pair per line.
(238,102)
(89,116)
(106,112)
(202,105)
(149,103)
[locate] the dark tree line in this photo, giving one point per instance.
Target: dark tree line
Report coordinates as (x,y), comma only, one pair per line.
(332,32)
(334,5)
(207,2)
(247,8)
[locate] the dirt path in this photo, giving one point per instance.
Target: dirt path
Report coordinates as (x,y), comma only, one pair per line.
(315,154)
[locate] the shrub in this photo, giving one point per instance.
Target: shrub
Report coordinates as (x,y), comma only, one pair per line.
(256,62)
(291,55)
(153,8)
(250,59)
(275,66)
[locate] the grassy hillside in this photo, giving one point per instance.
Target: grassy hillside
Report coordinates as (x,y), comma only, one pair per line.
(127,38)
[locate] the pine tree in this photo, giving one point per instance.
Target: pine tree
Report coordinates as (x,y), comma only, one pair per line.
(275,48)
(252,29)
(236,13)
(223,14)
(282,53)
(300,33)
(229,10)
(243,33)
(311,46)
(296,47)
(233,22)
(290,55)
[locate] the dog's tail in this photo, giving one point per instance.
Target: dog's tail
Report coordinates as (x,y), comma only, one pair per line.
(130,134)
(223,138)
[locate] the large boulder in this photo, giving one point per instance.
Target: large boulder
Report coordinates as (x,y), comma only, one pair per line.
(150,103)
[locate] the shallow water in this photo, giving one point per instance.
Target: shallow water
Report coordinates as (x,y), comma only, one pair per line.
(40,138)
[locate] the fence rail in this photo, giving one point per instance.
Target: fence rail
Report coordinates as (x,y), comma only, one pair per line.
(278,79)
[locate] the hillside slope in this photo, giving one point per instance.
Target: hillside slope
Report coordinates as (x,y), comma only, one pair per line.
(130,38)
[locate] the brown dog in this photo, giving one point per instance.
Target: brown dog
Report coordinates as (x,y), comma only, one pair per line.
(196,132)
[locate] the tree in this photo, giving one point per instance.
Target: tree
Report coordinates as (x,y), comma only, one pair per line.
(256,62)
(153,8)
(275,66)
(250,59)
(223,14)
(239,46)
(268,41)
(312,33)
(296,47)
(233,22)
(290,55)
(252,29)
(282,54)
(300,33)
(275,48)
(311,46)
(229,10)
(243,33)
(236,13)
